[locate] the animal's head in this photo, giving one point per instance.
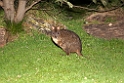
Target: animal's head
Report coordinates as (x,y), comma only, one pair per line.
(55,32)
(56,35)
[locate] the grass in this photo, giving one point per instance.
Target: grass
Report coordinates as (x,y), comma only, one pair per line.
(1,19)
(12,27)
(35,59)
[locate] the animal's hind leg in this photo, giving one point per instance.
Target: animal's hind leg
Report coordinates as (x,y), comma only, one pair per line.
(66,51)
(79,53)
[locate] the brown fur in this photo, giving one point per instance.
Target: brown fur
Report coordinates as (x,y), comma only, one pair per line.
(67,40)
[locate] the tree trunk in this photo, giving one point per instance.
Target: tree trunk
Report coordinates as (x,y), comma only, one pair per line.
(20,11)
(9,9)
(10,13)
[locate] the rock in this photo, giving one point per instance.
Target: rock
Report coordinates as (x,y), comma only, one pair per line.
(115,31)
(108,25)
(3,37)
(41,25)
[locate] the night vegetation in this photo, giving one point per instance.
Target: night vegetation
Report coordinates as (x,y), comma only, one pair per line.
(34,58)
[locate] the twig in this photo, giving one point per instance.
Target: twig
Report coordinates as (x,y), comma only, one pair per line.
(98,10)
(41,9)
(34,3)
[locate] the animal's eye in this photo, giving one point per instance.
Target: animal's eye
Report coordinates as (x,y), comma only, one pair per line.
(53,33)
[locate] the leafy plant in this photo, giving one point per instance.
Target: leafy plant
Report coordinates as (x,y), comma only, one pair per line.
(108,2)
(14,27)
(65,1)
(104,2)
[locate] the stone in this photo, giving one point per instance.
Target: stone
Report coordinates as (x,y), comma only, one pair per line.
(3,37)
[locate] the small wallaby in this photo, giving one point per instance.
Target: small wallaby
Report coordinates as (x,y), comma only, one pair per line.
(67,40)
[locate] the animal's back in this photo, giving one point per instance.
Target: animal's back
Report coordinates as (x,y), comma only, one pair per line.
(70,37)
(71,41)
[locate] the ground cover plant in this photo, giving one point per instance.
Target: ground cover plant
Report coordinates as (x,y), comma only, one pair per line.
(35,59)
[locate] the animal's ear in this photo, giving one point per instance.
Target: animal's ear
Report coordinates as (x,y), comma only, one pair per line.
(58,28)
(53,28)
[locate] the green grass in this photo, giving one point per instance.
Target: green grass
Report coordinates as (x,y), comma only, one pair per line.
(1,18)
(35,59)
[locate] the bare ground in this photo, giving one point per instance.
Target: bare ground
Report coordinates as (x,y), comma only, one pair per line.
(109,25)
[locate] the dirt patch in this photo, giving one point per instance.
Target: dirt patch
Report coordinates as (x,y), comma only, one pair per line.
(106,25)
